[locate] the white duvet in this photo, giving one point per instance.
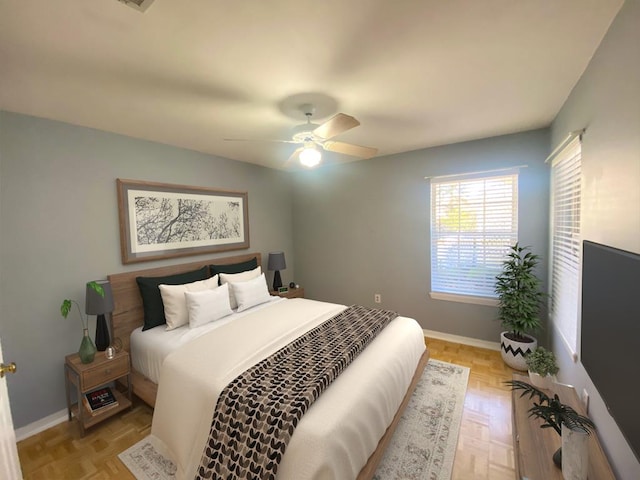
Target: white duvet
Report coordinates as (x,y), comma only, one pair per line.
(150,348)
(338,433)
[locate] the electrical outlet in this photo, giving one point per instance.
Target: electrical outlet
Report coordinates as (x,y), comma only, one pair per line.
(377,298)
(585,399)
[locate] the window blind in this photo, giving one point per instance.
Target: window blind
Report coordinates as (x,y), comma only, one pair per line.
(566,177)
(473,221)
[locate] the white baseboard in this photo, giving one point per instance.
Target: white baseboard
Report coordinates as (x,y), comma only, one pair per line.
(41,425)
(473,342)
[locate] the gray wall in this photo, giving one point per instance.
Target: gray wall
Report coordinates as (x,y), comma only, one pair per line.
(606,101)
(363,227)
(59,229)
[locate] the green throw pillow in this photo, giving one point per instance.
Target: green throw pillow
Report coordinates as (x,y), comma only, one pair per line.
(234,267)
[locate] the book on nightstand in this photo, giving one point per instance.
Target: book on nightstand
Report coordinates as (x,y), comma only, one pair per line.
(99,400)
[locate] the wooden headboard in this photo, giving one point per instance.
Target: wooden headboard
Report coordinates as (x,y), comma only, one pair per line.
(128,313)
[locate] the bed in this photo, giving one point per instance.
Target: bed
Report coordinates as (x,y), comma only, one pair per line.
(343,434)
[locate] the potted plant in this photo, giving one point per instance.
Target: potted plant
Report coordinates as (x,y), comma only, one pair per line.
(573,428)
(542,367)
(519,300)
(87,349)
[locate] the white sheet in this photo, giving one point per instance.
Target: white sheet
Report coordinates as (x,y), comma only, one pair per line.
(149,348)
(342,428)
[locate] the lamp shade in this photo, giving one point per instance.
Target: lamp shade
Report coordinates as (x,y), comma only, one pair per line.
(276,261)
(95,304)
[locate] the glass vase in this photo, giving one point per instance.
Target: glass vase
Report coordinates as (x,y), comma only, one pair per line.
(575,453)
(87,350)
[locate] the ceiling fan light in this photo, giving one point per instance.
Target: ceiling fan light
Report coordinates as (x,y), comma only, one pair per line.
(310,157)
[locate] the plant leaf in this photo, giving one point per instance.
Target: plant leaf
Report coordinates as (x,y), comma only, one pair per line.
(96,287)
(65,308)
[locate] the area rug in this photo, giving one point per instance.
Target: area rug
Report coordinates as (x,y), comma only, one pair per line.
(423,446)
(424,443)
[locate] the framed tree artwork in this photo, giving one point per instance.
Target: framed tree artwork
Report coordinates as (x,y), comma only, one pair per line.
(159,220)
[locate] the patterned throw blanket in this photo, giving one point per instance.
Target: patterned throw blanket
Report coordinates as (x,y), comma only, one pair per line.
(257,413)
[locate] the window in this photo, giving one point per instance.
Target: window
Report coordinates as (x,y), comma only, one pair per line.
(474,220)
(566,175)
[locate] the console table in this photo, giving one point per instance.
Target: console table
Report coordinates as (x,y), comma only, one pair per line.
(533,447)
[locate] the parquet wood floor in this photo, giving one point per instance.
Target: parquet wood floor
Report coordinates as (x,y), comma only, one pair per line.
(59,453)
(485,445)
(484,450)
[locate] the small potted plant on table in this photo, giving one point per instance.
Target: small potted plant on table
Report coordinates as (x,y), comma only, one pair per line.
(542,367)
(573,428)
(87,350)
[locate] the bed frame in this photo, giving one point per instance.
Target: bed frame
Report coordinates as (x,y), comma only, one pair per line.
(128,315)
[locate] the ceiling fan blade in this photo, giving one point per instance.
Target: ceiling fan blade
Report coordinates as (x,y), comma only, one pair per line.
(258,140)
(337,124)
(293,157)
(350,149)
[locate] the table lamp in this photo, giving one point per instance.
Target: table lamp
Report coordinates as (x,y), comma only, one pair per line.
(276,263)
(97,304)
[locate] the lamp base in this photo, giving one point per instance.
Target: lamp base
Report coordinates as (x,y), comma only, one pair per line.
(277,281)
(102,333)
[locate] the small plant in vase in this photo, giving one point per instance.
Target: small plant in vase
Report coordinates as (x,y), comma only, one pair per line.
(87,351)
(565,421)
(542,367)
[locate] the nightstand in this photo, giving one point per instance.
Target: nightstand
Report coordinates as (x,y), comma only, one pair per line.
(88,377)
(292,293)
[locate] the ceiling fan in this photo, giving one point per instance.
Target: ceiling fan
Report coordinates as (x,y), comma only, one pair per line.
(312,137)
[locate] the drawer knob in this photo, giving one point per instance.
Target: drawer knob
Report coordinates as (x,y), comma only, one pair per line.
(107,371)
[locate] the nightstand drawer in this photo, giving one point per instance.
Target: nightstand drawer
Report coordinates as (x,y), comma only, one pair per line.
(104,372)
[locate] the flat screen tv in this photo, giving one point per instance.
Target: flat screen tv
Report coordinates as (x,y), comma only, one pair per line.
(610,332)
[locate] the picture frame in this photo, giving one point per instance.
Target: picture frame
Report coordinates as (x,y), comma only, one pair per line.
(161,220)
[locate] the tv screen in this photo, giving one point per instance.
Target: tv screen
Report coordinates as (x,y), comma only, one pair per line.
(610,332)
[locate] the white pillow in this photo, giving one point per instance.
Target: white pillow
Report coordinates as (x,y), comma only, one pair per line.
(175,305)
(238,277)
(250,293)
(208,305)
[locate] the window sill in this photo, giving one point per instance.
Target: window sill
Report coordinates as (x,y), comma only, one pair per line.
(452,297)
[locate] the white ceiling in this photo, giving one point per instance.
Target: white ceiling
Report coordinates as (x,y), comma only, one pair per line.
(190,73)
